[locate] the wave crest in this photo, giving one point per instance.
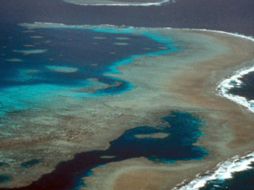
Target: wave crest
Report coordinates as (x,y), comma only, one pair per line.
(121,4)
(223,171)
(232,82)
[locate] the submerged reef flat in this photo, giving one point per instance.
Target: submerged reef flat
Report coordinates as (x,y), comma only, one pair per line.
(119,2)
(30,52)
(184,129)
(185,80)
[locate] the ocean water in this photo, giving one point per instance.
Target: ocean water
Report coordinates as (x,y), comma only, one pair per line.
(30,163)
(246,89)
(240,181)
(38,65)
(245,179)
(5,178)
(231,15)
(180,133)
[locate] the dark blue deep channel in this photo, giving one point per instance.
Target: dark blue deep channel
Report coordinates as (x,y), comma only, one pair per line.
(180,132)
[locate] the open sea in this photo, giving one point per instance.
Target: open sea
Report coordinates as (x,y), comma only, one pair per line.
(241,180)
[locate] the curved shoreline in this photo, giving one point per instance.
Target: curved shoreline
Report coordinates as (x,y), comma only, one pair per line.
(223,171)
(226,169)
(184,104)
(229,169)
(234,81)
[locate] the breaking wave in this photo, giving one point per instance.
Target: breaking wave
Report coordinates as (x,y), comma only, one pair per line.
(121,4)
(235,81)
(225,170)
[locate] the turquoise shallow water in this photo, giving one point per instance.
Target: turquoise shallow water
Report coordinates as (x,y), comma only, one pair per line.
(240,181)
(39,66)
(42,64)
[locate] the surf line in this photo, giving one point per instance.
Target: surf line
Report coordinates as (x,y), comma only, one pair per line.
(223,171)
(123,4)
(226,169)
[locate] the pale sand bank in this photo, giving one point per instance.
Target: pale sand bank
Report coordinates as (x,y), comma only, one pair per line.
(119,2)
(185,81)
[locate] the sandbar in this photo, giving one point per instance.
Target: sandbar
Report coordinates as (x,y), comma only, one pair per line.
(119,2)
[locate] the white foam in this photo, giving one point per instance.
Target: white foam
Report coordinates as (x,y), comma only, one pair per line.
(39,25)
(123,4)
(232,82)
(223,171)
(250,38)
(48,25)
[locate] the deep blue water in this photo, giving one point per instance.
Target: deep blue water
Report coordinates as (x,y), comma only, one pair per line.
(30,163)
(37,65)
(240,181)
(183,130)
(247,88)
